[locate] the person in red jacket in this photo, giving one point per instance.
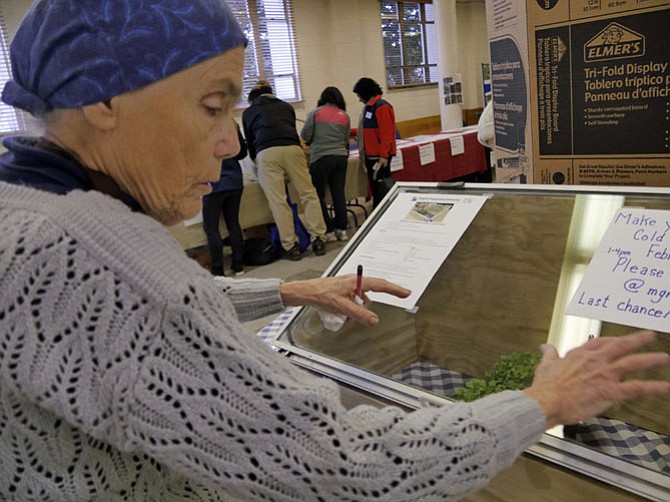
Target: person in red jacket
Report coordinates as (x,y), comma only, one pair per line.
(376,135)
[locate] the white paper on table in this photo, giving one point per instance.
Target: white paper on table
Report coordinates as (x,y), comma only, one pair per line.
(427,153)
(410,241)
(194,221)
(397,163)
(628,279)
(461,130)
(439,136)
(457,145)
(421,138)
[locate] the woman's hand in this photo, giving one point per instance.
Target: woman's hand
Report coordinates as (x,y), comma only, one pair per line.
(336,295)
(590,378)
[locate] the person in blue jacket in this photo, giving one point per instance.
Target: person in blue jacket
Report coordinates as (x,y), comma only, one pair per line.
(225,198)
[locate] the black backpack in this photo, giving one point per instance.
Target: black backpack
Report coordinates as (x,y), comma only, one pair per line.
(259,251)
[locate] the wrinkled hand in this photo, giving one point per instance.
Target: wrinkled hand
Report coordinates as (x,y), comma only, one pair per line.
(336,295)
(590,378)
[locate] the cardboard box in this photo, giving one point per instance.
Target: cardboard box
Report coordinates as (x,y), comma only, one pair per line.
(581,91)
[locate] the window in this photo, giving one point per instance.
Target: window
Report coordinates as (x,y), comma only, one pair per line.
(410,43)
(270,54)
(11,120)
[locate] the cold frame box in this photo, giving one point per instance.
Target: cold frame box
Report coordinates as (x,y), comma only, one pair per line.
(581,91)
(504,289)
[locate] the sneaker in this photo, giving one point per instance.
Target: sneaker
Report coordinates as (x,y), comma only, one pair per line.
(331,237)
(292,254)
(237,267)
(341,235)
(319,247)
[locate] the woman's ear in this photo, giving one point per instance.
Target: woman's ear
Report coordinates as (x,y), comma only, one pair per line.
(102,115)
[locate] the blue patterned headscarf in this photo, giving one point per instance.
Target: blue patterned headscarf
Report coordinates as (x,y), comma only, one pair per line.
(71,53)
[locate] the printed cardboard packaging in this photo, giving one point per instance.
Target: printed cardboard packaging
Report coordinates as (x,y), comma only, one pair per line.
(581,91)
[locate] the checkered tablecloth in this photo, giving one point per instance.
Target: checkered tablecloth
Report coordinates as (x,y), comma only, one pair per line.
(619,439)
(432,378)
(612,437)
(270,332)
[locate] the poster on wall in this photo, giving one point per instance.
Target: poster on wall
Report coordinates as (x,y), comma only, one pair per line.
(453,89)
(486,81)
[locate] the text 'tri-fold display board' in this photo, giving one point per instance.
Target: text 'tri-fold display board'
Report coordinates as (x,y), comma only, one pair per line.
(581,91)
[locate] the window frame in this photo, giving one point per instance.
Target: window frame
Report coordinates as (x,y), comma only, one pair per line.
(258,50)
(255,49)
(426,66)
(8,114)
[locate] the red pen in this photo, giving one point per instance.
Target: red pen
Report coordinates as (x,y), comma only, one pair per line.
(359,281)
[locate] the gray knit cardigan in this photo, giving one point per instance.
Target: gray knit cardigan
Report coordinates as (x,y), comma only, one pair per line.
(125,374)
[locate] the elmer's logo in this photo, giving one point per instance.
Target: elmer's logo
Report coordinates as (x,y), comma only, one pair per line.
(614,42)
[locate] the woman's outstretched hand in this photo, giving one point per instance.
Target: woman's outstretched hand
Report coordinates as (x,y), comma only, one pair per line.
(590,378)
(336,295)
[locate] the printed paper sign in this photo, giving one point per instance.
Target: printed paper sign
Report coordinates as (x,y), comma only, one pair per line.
(457,145)
(628,279)
(427,154)
(410,241)
(397,163)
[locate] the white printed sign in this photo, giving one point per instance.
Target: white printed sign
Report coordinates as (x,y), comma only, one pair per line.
(411,240)
(457,145)
(628,279)
(427,154)
(397,163)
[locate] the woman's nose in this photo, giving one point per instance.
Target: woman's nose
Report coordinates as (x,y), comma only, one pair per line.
(228,145)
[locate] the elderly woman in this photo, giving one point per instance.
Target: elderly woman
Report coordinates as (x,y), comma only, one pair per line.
(125,373)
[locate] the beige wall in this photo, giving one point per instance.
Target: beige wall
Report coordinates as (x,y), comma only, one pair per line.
(339,41)
(474,50)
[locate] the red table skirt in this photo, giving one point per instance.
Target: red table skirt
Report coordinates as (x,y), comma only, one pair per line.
(445,167)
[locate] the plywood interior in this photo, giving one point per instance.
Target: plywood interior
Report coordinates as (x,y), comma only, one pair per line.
(384,349)
(495,293)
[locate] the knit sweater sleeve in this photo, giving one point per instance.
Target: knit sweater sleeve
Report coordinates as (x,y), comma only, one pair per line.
(152,360)
(252,298)
(216,405)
